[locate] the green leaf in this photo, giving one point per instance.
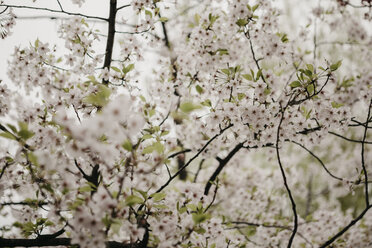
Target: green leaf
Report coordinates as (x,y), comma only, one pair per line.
(255,7)
(295,84)
(200,217)
(115,69)
(336,105)
(222,51)
(99,98)
(199,89)
(226,71)
(259,74)
(207,103)
(127,145)
(158,196)
(13,128)
(241,96)
(147,12)
(336,65)
(160,206)
(8,136)
(128,68)
(159,147)
(164,133)
(24,133)
(310,89)
(143,193)
(146,136)
(188,107)
(250,231)
(32,158)
(241,22)
(163,19)
(133,199)
(308,73)
(284,38)
(200,230)
(148,149)
(310,67)
(248,77)
(86,188)
(197,19)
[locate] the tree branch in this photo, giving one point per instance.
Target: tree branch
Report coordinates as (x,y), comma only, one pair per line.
(362,155)
(248,36)
(122,7)
(57,242)
(293,203)
(193,158)
(319,160)
(110,36)
(53,10)
(340,233)
(221,165)
(351,140)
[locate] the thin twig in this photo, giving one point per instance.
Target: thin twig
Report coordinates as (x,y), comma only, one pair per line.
(293,203)
(222,164)
(351,140)
(199,169)
(362,155)
(213,199)
(268,226)
(122,7)
(247,34)
(53,10)
(60,5)
(193,158)
(319,160)
(178,153)
(343,230)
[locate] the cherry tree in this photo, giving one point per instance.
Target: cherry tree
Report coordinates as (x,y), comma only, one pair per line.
(215,123)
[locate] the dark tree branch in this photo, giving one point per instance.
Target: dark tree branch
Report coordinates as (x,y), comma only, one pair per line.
(221,165)
(340,233)
(267,226)
(58,242)
(51,236)
(60,5)
(309,196)
(319,160)
(351,140)
(4,168)
(93,178)
(297,102)
(293,203)
(122,7)
(310,130)
(54,11)
(199,169)
(178,153)
(110,36)
(362,155)
(358,123)
(213,199)
(192,159)
(248,36)
(369,5)
(25,203)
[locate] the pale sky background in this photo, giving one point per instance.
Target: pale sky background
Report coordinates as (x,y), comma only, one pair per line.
(28,30)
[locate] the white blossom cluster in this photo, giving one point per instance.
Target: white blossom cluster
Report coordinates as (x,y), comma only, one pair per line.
(240,134)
